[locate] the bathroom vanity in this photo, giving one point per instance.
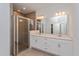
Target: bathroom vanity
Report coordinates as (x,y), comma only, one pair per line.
(53,44)
(52,36)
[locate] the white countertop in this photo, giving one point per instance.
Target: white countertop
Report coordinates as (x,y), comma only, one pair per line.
(64,37)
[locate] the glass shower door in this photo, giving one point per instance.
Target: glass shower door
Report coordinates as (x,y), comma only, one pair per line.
(20,40)
(22,34)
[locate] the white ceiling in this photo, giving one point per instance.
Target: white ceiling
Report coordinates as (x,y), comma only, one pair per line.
(47,9)
(38,6)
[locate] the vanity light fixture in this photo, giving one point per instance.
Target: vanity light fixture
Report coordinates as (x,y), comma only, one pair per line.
(63,13)
(60,13)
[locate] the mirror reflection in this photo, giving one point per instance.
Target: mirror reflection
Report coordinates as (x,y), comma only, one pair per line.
(53,25)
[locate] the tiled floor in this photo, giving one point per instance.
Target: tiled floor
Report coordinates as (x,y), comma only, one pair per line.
(33,52)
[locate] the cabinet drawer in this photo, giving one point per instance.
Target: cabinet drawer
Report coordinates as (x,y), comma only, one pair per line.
(59,47)
(53,46)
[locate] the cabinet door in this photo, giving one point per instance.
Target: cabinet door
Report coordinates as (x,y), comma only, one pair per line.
(44,44)
(32,40)
(53,46)
(37,42)
(65,48)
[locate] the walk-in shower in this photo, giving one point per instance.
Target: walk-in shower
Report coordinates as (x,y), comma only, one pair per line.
(19,34)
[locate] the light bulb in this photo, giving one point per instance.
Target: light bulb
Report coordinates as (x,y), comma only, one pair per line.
(63,13)
(56,14)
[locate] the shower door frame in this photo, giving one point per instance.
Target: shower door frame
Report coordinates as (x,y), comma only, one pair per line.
(16,17)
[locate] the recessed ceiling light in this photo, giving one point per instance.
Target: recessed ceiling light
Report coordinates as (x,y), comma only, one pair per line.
(24,8)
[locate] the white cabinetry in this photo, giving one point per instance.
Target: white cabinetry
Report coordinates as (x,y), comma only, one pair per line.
(36,42)
(65,47)
(50,45)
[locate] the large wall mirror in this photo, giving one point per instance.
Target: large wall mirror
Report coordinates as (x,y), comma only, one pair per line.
(53,25)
